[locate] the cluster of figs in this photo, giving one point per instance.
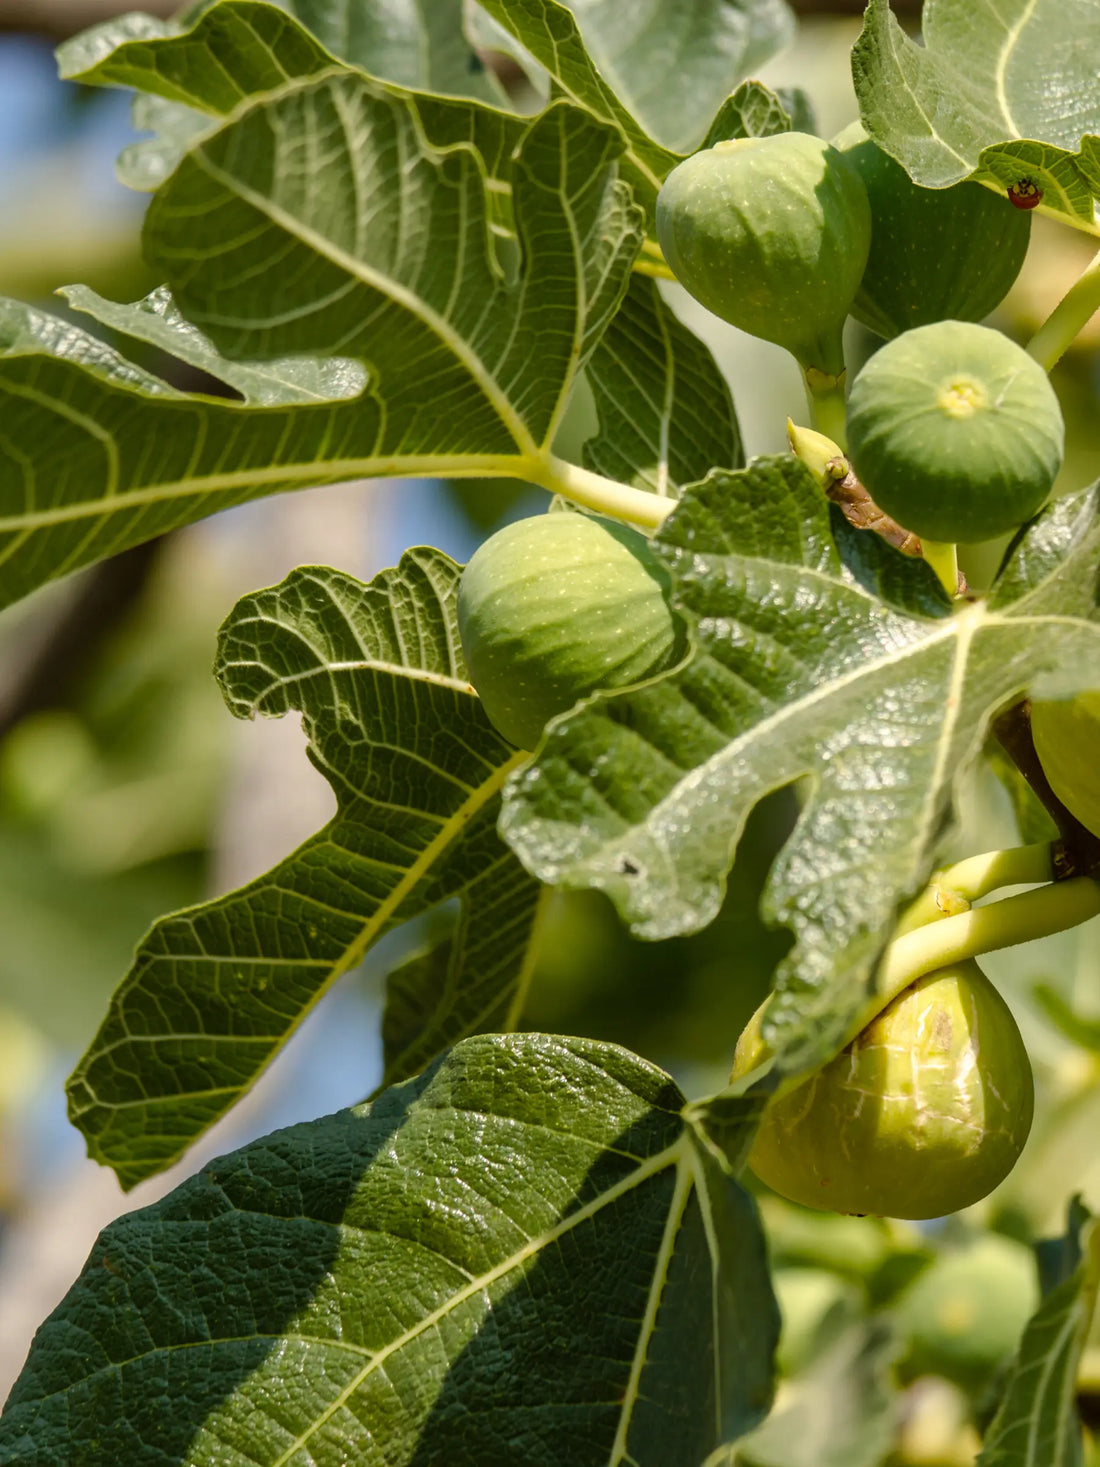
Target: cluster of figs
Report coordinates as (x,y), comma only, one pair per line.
(956,433)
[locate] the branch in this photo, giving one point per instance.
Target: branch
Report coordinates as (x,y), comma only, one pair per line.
(57,20)
(52,663)
(1077,851)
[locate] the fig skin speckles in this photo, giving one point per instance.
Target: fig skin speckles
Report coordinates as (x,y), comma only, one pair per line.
(955,431)
(557,606)
(772,235)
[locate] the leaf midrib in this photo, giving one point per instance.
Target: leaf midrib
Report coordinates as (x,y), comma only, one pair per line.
(673,1155)
(822,693)
(1011,37)
(387,287)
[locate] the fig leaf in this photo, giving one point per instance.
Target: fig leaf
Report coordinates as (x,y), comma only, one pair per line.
(975,100)
(821,654)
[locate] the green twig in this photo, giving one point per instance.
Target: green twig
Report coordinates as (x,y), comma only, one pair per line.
(1024,918)
(1069,317)
(953,889)
(1031,915)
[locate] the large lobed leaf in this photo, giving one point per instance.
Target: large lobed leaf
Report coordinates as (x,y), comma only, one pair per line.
(524,1256)
(214,993)
(998,93)
(822,655)
(236,49)
(381,243)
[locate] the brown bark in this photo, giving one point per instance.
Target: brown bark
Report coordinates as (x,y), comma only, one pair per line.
(56,20)
(1077,851)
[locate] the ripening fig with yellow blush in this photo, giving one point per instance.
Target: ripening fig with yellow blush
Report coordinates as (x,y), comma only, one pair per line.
(924,1113)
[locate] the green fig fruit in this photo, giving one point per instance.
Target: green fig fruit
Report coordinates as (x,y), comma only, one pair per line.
(955,431)
(772,235)
(554,607)
(925,1112)
(964,1315)
(1067,741)
(937,254)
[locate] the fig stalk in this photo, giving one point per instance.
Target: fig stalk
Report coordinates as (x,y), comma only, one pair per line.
(943,557)
(825,395)
(956,887)
(1042,912)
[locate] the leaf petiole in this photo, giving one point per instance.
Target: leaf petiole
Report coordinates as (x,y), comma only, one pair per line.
(943,557)
(1069,317)
(592,491)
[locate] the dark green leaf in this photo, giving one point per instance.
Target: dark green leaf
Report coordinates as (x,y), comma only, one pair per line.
(474,982)
(822,654)
(665,413)
(521,1256)
(394,726)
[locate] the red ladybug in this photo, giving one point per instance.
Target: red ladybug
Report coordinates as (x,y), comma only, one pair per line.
(1025,193)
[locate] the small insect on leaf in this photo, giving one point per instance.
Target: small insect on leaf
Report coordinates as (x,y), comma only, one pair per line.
(1025,193)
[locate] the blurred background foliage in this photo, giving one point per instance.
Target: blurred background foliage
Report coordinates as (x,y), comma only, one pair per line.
(126,790)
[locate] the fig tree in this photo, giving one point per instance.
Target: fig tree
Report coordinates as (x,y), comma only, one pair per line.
(937,254)
(772,235)
(922,1114)
(955,432)
(556,606)
(1067,741)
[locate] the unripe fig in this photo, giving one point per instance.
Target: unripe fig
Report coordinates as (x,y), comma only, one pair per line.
(937,254)
(554,607)
(955,432)
(964,1315)
(772,235)
(923,1113)
(1067,741)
